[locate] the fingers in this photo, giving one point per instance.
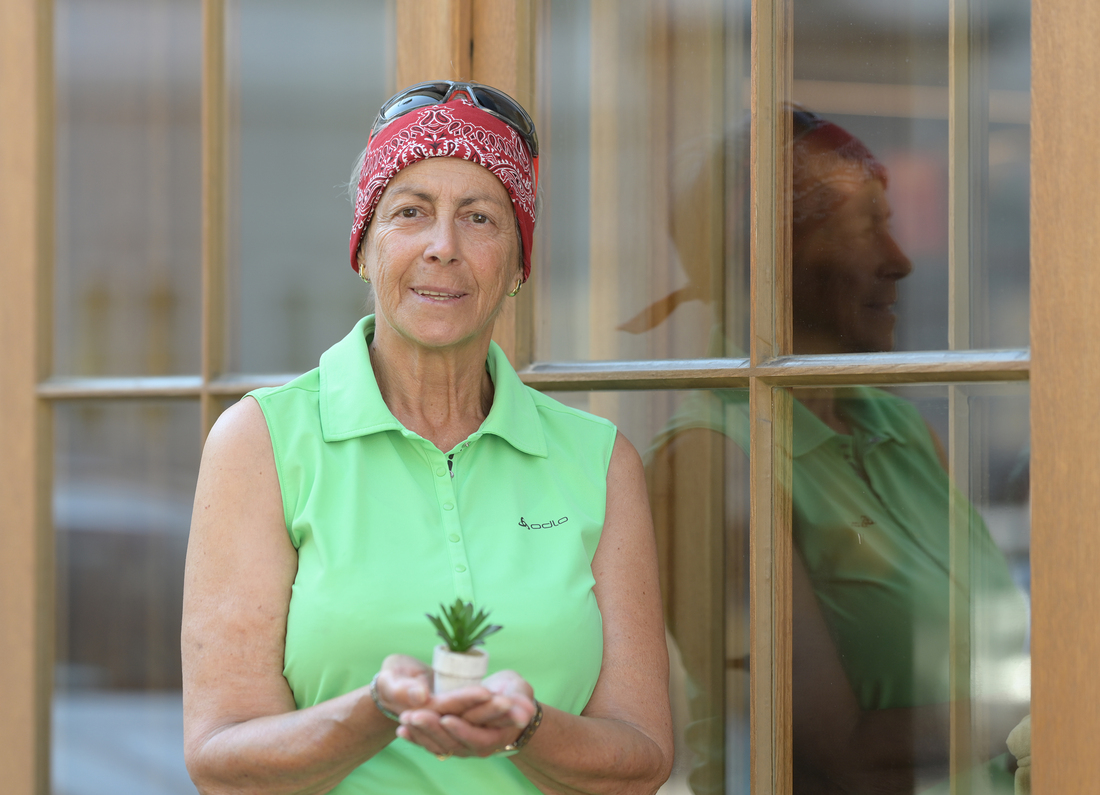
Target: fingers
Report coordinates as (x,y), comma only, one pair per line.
(449,735)
(404,683)
(458,702)
(515,700)
(500,712)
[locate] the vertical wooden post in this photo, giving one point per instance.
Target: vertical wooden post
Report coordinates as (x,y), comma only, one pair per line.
(503,55)
(26,229)
(1065,433)
(770,409)
(433,40)
(770,618)
(770,177)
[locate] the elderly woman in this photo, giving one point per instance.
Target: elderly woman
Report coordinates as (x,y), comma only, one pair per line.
(411,468)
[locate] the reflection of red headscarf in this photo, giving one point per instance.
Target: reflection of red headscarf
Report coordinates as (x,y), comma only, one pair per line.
(828,162)
(459,129)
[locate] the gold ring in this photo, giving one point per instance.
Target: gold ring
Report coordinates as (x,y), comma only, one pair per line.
(443,757)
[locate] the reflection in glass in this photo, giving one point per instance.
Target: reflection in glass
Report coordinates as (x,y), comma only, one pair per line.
(643,109)
(640,249)
(892,74)
(128,187)
(911,578)
(698,488)
(909,587)
(124,483)
(306,80)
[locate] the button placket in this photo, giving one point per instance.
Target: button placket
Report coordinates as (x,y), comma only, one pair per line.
(452,527)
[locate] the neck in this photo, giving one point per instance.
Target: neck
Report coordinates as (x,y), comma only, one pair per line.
(442,395)
(821,401)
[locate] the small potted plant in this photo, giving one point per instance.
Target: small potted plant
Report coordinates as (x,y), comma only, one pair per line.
(456,662)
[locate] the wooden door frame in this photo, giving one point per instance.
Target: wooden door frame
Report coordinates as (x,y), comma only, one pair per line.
(26,228)
(1065,394)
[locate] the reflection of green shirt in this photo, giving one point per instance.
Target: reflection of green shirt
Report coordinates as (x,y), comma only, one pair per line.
(872,522)
(387,527)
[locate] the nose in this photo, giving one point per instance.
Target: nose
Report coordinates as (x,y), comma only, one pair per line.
(442,245)
(894,264)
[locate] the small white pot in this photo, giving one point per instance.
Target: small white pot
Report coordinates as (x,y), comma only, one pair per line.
(455,669)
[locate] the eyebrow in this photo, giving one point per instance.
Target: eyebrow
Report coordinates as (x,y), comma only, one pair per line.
(402,190)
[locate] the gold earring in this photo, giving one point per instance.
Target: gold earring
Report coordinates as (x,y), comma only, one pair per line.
(363,271)
(515,292)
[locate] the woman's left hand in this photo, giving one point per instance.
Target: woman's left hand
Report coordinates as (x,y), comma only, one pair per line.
(457,725)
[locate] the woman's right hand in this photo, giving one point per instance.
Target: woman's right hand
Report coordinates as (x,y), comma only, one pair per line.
(404,683)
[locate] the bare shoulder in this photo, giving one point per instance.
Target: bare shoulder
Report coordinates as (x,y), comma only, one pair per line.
(238,516)
(239,435)
(625,470)
(628,525)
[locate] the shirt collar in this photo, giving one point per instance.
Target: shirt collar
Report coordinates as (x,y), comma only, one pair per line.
(351,404)
(865,408)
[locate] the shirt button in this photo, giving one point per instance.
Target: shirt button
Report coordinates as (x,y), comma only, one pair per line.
(440,472)
(460,568)
(455,537)
(448,507)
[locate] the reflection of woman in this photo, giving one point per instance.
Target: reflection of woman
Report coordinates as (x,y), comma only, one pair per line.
(872,508)
(409,469)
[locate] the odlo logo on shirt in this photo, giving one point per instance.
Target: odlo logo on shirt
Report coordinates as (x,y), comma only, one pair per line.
(542,525)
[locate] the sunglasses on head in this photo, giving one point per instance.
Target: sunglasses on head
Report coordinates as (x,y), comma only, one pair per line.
(492,101)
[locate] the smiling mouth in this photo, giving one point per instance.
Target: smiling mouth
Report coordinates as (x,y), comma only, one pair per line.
(435,296)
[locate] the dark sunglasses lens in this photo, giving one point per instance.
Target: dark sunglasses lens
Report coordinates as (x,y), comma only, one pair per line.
(407,103)
(504,107)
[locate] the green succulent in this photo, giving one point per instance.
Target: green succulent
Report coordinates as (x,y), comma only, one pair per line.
(460,629)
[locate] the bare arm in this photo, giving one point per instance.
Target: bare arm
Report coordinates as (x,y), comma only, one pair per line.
(873,750)
(622,742)
(241,731)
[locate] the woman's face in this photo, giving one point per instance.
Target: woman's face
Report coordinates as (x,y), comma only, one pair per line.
(845,276)
(442,251)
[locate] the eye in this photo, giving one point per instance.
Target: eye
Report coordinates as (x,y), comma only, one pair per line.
(479,218)
(408,212)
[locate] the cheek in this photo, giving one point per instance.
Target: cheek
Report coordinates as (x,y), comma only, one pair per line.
(383,253)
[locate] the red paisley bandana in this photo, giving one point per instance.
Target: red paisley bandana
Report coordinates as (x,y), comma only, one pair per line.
(455,129)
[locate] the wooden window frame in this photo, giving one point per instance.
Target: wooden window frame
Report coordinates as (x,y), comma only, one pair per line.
(1065,211)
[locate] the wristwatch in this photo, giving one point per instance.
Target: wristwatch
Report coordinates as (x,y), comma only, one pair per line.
(527,733)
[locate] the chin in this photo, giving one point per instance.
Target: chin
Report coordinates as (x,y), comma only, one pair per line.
(878,345)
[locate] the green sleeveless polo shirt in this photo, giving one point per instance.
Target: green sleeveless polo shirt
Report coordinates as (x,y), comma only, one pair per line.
(388,527)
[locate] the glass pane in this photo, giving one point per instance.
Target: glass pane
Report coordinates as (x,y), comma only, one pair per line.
(124,485)
(875,84)
(695,449)
(911,587)
(641,251)
(307,80)
(126,289)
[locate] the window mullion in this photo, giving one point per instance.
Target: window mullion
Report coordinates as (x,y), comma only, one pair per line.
(770,408)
